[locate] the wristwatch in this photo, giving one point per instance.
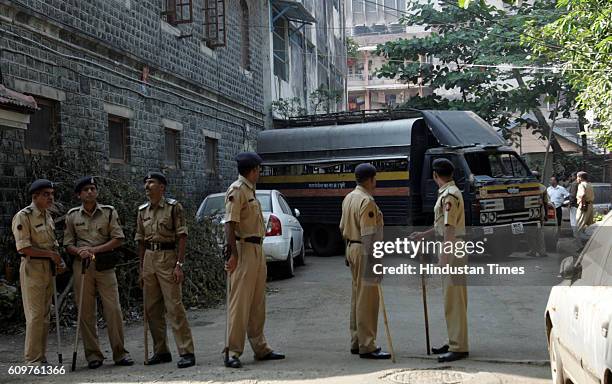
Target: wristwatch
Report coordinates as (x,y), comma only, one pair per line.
(180,264)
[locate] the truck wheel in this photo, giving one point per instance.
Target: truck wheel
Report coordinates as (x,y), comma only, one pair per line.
(324,240)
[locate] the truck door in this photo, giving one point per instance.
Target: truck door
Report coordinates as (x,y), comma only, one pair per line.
(429,188)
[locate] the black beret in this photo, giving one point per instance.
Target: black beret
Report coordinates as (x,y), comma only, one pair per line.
(443,166)
(364,171)
(157,176)
(39,184)
(82,182)
(248,160)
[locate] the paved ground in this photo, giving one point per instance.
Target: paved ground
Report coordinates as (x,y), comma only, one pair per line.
(308,320)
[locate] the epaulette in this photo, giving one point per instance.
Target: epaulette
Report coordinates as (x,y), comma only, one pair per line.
(71,210)
(143,206)
(171,201)
(27,210)
(106,206)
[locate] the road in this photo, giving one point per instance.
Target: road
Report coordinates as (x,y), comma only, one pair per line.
(307,319)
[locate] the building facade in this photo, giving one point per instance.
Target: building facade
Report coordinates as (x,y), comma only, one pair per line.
(175,85)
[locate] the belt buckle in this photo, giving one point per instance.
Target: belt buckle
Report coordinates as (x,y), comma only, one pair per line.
(155,246)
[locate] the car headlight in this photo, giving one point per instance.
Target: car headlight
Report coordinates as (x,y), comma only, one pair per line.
(492,217)
(484,218)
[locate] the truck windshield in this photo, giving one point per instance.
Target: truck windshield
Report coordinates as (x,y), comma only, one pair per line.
(496,165)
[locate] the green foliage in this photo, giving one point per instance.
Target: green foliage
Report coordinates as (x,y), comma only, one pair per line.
(322,99)
(351,48)
(472,49)
(580,37)
(287,108)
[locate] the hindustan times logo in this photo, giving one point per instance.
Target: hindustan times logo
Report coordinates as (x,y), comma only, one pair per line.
(413,248)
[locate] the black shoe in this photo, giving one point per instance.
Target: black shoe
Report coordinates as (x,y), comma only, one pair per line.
(187,360)
(125,362)
(94,364)
(271,356)
(452,356)
(439,351)
(354,351)
(233,362)
(159,358)
(376,355)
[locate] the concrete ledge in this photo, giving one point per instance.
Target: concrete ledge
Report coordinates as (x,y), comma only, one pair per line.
(211,134)
(171,124)
(39,90)
(170,29)
(118,110)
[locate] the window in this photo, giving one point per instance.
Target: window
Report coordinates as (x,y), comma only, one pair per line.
(245,44)
(211,155)
(43,125)
(178,11)
(358,12)
(281,62)
(117,139)
(171,147)
(214,23)
(284,206)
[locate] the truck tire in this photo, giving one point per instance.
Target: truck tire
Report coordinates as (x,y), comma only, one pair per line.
(325,240)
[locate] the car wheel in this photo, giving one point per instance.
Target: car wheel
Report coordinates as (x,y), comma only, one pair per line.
(288,267)
(556,367)
(301,258)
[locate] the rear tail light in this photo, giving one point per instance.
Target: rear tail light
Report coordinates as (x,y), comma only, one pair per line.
(274,227)
(551,213)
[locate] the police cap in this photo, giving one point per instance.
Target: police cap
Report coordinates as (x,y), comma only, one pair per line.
(248,160)
(364,171)
(84,181)
(443,167)
(157,176)
(39,184)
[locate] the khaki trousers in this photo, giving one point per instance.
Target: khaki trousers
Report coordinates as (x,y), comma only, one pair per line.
(37,292)
(584,218)
(163,299)
(364,304)
(247,301)
(455,308)
(105,283)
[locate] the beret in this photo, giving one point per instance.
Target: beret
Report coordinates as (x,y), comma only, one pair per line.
(248,160)
(157,176)
(39,184)
(364,171)
(82,182)
(443,166)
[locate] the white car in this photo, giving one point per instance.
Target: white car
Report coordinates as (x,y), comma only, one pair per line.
(579,312)
(284,240)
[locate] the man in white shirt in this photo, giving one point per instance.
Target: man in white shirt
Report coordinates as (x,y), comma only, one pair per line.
(557,195)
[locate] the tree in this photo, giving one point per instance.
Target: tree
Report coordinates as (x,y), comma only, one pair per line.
(581,38)
(476,54)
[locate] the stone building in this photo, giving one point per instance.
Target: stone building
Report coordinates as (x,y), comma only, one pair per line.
(175,85)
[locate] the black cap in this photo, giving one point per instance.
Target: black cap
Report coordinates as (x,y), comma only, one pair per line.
(248,160)
(39,184)
(84,181)
(157,176)
(364,171)
(443,167)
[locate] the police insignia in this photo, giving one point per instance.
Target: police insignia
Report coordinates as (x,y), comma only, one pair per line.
(447,206)
(230,198)
(19,227)
(371,214)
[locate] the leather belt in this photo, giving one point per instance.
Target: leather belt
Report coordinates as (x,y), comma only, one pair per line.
(252,239)
(349,242)
(152,246)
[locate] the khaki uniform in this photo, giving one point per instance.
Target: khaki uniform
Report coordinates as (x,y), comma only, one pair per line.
(449,211)
(85,230)
(361,217)
(162,225)
(247,301)
(584,195)
(34,228)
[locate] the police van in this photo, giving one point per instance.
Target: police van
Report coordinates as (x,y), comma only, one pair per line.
(311,160)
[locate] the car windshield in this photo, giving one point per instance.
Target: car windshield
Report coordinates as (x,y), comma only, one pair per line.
(496,165)
(215,205)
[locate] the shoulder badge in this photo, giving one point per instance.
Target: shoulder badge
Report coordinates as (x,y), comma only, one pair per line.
(19,227)
(371,214)
(145,205)
(171,201)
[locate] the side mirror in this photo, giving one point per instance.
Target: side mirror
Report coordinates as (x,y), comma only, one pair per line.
(569,269)
(296,212)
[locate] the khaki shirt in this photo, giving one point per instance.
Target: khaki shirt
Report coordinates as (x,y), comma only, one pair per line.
(34,228)
(360,215)
(162,223)
(449,210)
(85,230)
(585,192)
(243,208)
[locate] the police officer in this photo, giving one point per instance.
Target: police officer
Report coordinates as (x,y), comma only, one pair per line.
(162,235)
(33,229)
(449,226)
(584,199)
(361,225)
(92,230)
(244,232)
